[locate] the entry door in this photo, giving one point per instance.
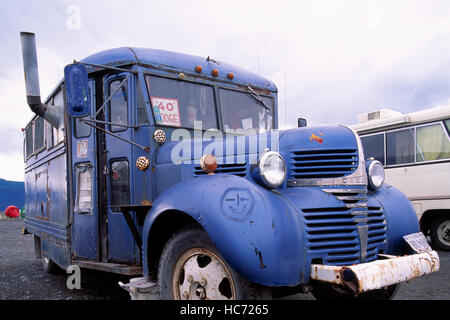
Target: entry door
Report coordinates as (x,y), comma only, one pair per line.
(85,237)
(121,245)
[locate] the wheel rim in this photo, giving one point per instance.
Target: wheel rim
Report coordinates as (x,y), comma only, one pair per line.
(200,274)
(443,232)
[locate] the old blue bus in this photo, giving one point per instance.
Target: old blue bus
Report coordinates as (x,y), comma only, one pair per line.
(170,167)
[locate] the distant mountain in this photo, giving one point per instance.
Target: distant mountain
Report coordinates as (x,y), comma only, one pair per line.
(11,193)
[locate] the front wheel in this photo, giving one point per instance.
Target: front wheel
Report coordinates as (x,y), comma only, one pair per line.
(325,291)
(191,268)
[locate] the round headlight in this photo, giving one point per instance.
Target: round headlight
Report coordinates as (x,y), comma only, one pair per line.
(375,173)
(272,169)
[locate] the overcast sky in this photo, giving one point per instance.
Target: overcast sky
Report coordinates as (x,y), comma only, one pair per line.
(331,60)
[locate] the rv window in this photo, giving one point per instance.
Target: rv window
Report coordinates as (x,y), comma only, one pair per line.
(374,147)
(242,111)
(447,124)
(120,185)
(118,106)
(38,133)
(400,147)
(432,143)
(179,103)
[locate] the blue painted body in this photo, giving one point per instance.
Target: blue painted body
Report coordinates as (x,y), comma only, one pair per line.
(268,236)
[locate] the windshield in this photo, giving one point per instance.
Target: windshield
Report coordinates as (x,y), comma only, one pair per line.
(243,111)
(178,103)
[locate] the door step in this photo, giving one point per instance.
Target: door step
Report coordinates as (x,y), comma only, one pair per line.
(118,268)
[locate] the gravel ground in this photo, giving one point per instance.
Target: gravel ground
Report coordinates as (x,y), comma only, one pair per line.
(22,277)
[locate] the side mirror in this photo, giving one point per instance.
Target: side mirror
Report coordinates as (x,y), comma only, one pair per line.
(77,90)
(301,122)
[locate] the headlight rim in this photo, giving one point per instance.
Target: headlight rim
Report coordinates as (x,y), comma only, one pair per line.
(261,170)
(370,167)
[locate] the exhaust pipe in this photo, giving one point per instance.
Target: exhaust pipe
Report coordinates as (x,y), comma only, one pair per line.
(52,114)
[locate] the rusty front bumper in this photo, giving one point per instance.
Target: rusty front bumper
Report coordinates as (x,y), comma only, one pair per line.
(378,274)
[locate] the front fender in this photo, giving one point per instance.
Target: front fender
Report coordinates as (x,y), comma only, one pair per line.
(257,232)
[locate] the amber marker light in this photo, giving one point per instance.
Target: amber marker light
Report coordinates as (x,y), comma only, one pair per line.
(208,163)
(198,69)
(230,75)
(215,72)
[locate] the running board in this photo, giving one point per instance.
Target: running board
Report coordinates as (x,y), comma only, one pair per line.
(110,267)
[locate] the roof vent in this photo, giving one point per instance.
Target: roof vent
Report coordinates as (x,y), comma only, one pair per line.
(378,114)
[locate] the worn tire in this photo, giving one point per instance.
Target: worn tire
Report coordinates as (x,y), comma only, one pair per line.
(440,232)
(188,257)
(325,291)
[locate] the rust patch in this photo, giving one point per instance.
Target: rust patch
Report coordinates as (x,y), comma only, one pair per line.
(261,262)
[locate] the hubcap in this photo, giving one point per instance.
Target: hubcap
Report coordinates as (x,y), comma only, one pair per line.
(202,275)
(444,232)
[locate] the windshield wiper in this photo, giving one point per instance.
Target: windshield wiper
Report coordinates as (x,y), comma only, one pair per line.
(257,97)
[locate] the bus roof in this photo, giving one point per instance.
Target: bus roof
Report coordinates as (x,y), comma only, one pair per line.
(179,62)
(398,120)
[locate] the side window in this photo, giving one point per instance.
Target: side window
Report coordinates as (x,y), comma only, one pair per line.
(142,117)
(58,135)
(400,147)
(48,134)
(447,124)
(29,140)
(120,184)
(118,105)
(432,143)
(179,103)
(374,147)
(38,133)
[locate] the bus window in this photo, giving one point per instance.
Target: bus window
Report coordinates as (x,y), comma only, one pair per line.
(400,147)
(373,146)
(38,133)
(29,140)
(432,143)
(447,124)
(58,135)
(179,103)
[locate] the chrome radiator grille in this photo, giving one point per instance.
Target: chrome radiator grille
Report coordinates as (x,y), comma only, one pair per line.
(347,234)
(324,163)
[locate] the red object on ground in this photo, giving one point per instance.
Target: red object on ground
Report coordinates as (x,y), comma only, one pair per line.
(12,212)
